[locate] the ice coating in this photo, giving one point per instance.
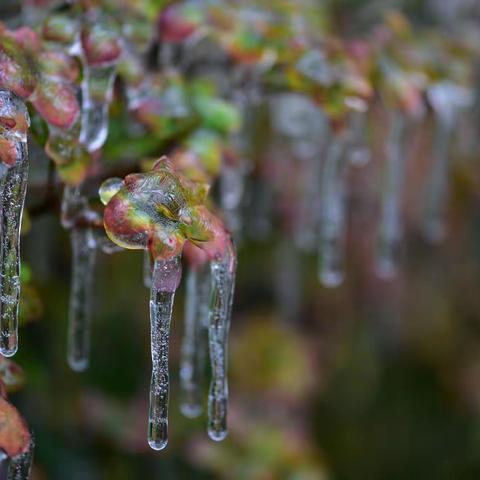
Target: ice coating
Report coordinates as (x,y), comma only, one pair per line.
(159,211)
(14,121)
(162,211)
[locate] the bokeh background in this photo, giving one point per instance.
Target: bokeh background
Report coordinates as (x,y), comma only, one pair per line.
(372,380)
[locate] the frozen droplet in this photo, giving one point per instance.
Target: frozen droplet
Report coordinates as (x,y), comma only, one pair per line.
(194,344)
(165,279)
(221,297)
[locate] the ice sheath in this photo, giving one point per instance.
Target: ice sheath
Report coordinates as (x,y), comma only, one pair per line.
(13,189)
(222,271)
(165,279)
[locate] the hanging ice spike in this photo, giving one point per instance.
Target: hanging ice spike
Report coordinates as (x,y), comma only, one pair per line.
(194,345)
(391,228)
(14,123)
(447,101)
(222,273)
(165,280)
(74,205)
(333,213)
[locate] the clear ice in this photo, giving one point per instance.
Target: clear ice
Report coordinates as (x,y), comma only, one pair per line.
(165,279)
(83,264)
(194,344)
(84,247)
(222,273)
(97,90)
(13,188)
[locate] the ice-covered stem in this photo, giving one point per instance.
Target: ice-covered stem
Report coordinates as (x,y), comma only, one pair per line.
(194,345)
(333,212)
(437,187)
(21,465)
(14,122)
(222,271)
(165,280)
(391,228)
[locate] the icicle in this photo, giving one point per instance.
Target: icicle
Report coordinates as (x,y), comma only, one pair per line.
(194,345)
(83,263)
(20,466)
(333,214)
(437,188)
(222,288)
(359,151)
(74,205)
(390,221)
(165,280)
(97,90)
(13,188)
(447,100)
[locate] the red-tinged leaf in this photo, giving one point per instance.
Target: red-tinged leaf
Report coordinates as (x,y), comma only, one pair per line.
(11,375)
(14,434)
(56,102)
